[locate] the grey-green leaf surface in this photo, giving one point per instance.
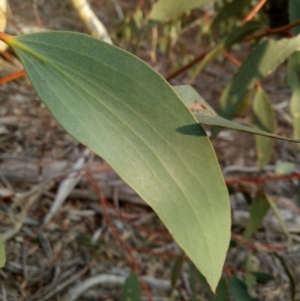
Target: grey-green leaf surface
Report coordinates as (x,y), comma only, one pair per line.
(164,10)
(259,209)
(205,114)
(294,82)
(132,289)
(2,253)
(124,111)
(263,61)
(263,119)
(294,15)
(238,290)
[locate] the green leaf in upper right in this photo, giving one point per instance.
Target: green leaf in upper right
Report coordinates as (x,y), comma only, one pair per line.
(267,56)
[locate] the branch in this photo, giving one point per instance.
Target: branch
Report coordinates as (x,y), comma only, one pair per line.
(254,11)
(90,20)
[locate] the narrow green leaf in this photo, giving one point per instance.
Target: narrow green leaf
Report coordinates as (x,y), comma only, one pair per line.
(2,253)
(132,289)
(290,275)
(294,15)
(279,218)
(252,264)
(176,272)
(294,82)
(262,61)
(263,119)
(236,36)
(205,114)
(164,10)
(231,9)
(259,209)
(124,111)
(246,103)
(238,290)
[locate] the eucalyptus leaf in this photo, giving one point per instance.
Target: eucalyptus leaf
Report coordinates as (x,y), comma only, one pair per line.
(205,114)
(262,61)
(263,119)
(124,111)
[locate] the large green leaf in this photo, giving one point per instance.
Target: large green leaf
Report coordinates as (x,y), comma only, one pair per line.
(2,253)
(163,10)
(205,114)
(263,119)
(123,110)
(262,61)
(294,14)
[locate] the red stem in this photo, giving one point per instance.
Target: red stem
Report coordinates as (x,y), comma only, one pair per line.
(12,76)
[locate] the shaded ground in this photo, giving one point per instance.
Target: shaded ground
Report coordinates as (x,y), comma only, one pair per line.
(50,262)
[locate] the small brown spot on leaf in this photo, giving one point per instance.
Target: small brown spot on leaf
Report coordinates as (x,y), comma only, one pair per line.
(199,108)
